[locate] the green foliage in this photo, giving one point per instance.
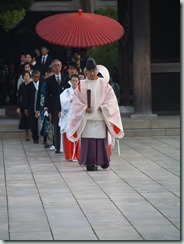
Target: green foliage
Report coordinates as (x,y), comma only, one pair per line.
(108,11)
(107,55)
(10,19)
(13,12)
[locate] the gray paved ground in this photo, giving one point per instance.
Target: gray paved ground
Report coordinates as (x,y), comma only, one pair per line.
(43,197)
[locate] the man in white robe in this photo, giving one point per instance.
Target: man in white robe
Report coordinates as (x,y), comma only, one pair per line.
(93,122)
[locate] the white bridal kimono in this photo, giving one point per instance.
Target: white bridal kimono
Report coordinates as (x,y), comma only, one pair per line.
(65,101)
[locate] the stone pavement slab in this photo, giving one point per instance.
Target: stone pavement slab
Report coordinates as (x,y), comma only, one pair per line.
(45,197)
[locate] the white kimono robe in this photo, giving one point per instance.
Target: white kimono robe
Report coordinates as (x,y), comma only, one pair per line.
(65,100)
(93,125)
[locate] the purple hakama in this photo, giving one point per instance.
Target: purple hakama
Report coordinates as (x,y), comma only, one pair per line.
(94,151)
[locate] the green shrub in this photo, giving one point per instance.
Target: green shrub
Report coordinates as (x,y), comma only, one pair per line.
(13,12)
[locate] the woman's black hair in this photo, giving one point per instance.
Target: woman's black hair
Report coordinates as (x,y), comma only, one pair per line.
(75,75)
(27,73)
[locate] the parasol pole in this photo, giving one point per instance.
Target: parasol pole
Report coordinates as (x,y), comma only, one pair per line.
(88,6)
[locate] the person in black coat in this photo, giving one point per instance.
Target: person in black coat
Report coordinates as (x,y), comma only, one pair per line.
(55,85)
(30,103)
(21,97)
(44,60)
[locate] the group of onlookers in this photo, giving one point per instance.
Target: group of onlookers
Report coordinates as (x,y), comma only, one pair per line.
(11,69)
(38,98)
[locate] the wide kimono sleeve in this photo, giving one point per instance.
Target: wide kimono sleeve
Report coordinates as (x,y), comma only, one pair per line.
(65,102)
(111,114)
(76,121)
(47,95)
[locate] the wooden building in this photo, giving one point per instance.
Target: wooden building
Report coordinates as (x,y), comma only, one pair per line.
(150,55)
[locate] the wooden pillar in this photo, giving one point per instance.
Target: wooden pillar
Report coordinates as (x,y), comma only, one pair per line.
(141,57)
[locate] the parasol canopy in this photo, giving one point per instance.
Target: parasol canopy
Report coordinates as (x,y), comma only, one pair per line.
(79,30)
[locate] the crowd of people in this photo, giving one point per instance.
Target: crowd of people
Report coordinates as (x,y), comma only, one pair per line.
(11,69)
(72,109)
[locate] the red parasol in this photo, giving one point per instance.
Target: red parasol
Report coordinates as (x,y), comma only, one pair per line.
(79,30)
